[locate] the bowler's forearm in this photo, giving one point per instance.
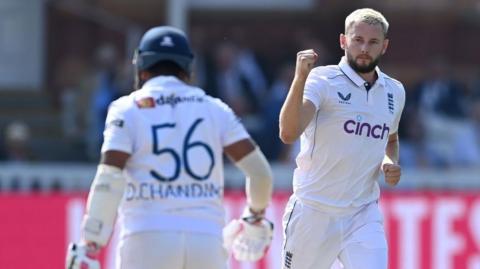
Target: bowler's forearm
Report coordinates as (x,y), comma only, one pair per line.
(290,114)
(392,150)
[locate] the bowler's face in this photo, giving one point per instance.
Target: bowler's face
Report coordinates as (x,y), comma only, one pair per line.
(364,44)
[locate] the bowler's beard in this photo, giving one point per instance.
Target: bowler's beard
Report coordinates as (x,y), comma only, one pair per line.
(362,69)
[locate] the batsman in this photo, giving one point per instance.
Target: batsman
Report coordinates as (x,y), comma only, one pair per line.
(161,172)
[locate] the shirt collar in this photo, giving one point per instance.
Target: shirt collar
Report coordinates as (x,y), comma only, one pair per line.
(162,82)
(357,79)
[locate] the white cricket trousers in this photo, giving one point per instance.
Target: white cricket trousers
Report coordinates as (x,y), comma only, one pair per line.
(314,239)
(171,250)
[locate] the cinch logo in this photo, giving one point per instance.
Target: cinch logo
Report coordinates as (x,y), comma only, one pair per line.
(365,129)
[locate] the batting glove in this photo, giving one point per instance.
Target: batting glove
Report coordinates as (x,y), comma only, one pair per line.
(248,238)
(82,256)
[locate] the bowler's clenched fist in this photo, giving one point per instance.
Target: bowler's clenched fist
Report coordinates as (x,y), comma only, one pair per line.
(305,62)
(392,173)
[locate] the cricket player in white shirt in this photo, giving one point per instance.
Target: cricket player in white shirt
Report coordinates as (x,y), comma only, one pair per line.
(162,168)
(346,116)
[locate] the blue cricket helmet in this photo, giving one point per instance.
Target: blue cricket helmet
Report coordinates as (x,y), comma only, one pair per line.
(164,43)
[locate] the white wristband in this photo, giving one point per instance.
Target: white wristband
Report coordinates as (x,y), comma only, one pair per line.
(104,197)
(258,179)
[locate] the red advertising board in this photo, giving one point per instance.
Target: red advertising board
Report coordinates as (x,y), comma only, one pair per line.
(427,230)
(437,230)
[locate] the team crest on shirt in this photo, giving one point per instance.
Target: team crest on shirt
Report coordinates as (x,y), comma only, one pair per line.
(117,122)
(390,102)
(147,102)
(344,99)
(288,259)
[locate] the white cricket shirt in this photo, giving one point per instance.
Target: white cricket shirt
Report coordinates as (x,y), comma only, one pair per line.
(344,145)
(175,134)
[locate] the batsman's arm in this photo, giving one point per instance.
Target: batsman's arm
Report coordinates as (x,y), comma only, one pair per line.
(104,197)
(251,161)
(250,236)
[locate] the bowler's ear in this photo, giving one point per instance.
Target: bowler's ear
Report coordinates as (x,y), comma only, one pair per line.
(385,45)
(343,40)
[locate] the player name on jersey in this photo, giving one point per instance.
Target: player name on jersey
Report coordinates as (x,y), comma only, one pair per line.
(157,191)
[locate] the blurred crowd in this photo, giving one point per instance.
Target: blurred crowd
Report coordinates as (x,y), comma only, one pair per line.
(440,126)
(441,120)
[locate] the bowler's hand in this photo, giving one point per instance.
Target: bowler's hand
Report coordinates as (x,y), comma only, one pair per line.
(392,173)
(305,62)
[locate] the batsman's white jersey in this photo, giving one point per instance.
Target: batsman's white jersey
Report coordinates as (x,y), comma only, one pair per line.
(175,134)
(343,146)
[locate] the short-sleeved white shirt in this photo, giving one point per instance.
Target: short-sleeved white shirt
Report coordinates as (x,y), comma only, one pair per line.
(343,146)
(175,134)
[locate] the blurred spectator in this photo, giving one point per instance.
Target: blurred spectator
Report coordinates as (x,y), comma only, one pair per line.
(35,185)
(17,142)
(15,184)
(307,40)
(237,87)
(68,79)
(87,93)
(230,83)
(105,78)
(476,118)
(412,132)
(475,110)
(440,94)
(442,105)
(124,77)
(200,64)
(248,64)
(56,185)
(272,146)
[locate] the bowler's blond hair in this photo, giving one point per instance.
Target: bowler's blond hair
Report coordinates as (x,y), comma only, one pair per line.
(366,15)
